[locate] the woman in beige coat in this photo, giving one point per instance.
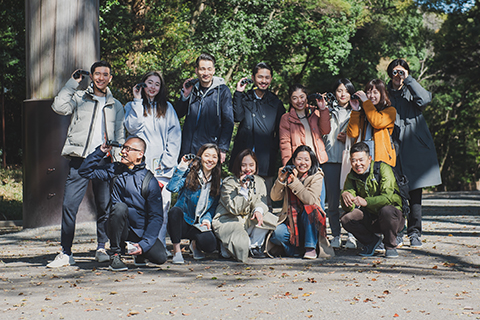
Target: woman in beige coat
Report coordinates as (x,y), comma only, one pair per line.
(242,219)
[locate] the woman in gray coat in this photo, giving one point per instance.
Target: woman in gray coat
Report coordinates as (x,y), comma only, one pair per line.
(416,155)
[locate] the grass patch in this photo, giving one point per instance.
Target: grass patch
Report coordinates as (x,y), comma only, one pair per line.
(11,193)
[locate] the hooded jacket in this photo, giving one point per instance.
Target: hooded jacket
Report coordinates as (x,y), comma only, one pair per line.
(71,100)
(259,122)
(162,136)
(208,117)
(145,216)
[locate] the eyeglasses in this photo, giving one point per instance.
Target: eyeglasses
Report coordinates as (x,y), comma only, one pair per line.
(128,149)
(400,72)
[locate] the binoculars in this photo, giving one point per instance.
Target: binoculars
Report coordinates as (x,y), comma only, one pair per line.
(314,96)
(191,83)
(245,81)
(288,168)
(355,97)
(400,72)
(190,156)
(141,85)
(80,73)
(248,178)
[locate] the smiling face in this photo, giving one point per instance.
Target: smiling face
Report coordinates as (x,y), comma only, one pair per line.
(205,72)
(360,162)
(209,159)
(153,86)
(374,95)
(298,99)
(101,77)
(248,166)
(342,95)
(302,162)
(262,79)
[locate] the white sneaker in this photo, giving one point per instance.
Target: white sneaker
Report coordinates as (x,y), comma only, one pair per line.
(351,242)
(61,260)
(102,256)
(197,254)
(178,258)
(336,242)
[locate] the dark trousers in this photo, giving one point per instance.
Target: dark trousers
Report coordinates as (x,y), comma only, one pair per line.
(363,226)
(75,188)
(178,229)
(414,223)
(118,231)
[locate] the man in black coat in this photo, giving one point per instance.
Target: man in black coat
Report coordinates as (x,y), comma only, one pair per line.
(207,108)
(259,112)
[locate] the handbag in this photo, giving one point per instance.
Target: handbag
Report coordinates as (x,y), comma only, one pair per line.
(346,165)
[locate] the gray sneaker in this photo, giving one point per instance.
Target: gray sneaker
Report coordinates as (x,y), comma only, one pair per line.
(415,241)
(116,263)
(391,253)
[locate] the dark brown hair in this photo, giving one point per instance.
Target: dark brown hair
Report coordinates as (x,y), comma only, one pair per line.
(380,86)
(192,181)
(237,164)
(160,99)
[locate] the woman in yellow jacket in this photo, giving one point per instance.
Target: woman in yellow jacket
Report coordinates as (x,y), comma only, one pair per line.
(374,121)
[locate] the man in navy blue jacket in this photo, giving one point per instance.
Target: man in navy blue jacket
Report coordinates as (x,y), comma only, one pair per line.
(134,216)
(207,107)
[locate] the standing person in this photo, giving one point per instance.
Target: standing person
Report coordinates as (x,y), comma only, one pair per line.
(96,116)
(417,158)
(334,146)
(136,213)
(152,118)
(374,121)
(197,182)
(302,222)
(304,126)
(242,218)
(259,112)
(207,108)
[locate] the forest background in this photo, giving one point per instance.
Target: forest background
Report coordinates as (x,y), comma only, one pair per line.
(305,41)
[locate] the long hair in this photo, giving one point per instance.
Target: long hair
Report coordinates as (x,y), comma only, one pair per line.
(313,158)
(160,99)
(237,164)
(192,182)
(380,86)
(348,85)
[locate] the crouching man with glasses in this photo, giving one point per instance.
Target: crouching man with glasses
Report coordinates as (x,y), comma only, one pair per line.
(136,213)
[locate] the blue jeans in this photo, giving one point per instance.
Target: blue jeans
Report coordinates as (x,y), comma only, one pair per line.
(307,232)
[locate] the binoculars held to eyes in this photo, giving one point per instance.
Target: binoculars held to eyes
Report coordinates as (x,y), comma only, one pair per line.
(191,83)
(248,178)
(113,143)
(288,168)
(400,72)
(80,73)
(141,85)
(245,81)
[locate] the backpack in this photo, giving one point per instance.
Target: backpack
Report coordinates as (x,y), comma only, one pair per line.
(402,182)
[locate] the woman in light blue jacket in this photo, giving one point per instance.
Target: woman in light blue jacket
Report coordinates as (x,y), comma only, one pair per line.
(334,145)
(151,117)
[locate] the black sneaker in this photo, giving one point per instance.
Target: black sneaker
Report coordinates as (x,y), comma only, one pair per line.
(369,249)
(391,253)
(116,263)
(415,241)
(256,252)
(139,261)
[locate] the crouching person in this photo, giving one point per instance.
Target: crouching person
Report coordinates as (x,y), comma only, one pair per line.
(371,207)
(136,213)
(242,219)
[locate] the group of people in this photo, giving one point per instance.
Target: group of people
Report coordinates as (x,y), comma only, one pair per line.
(134,178)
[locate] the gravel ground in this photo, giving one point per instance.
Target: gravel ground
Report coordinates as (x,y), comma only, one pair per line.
(440,280)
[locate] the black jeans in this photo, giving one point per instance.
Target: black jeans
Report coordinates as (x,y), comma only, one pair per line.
(119,231)
(75,188)
(414,223)
(178,229)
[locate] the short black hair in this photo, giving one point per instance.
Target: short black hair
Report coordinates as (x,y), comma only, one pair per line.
(313,158)
(205,56)
(262,65)
(237,164)
(397,62)
(360,147)
(101,63)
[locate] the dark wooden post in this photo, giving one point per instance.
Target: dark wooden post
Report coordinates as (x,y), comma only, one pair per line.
(61,36)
